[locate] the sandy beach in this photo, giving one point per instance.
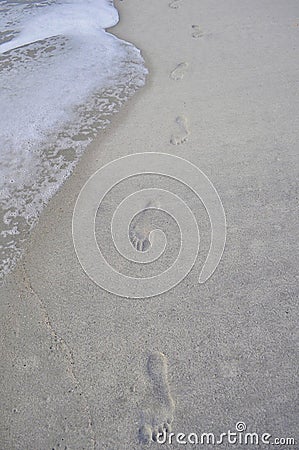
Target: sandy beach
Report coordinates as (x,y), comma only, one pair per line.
(87,369)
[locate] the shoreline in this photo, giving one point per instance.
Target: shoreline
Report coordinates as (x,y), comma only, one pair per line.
(51,138)
(81,365)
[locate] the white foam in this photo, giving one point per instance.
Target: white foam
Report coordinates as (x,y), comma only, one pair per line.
(61,77)
(71,18)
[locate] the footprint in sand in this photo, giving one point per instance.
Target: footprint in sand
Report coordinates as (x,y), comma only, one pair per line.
(174,4)
(197,32)
(157,418)
(140,230)
(182,136)
(179,72)
(140,241)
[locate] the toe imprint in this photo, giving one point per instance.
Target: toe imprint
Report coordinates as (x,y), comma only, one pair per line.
(174,4)
(197,32)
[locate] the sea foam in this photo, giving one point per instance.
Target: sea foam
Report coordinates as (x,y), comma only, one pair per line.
(62,76)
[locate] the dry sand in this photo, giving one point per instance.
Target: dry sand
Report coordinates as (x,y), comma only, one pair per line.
(85,369)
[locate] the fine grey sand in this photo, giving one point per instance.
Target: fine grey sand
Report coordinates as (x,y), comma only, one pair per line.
(85,369)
